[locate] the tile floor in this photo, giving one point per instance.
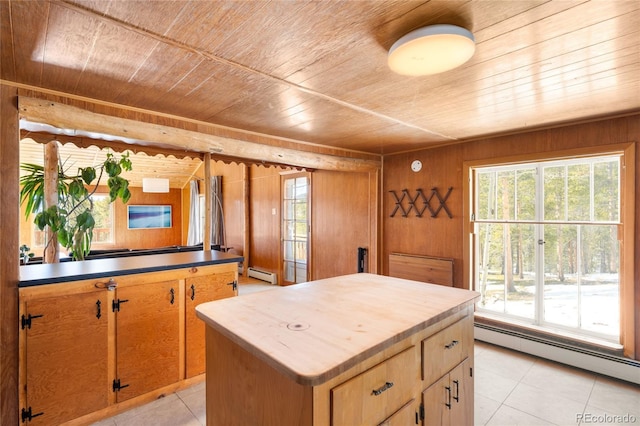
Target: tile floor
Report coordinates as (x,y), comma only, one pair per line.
(511,388)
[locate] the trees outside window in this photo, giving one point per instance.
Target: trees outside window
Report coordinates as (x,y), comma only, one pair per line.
(547,251)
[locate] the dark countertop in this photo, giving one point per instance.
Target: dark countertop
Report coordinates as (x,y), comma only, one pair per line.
(32,275)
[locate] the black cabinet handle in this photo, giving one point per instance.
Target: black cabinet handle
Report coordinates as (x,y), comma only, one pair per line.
(98,309)
(173,296)
(383,388)
(193,291)
(452,344)
(457,397)
(448,404)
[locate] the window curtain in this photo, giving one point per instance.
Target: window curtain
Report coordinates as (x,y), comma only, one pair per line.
(194,235)
(218,236)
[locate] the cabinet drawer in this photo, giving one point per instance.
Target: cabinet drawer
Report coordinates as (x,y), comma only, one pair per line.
(445,349)
(375,394)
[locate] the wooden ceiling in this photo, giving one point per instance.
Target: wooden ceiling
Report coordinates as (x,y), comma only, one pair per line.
(316,71)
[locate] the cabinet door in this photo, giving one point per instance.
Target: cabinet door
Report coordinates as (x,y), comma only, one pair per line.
(66,357)
(435,400)
(200,290)
(147,338)
(461,382)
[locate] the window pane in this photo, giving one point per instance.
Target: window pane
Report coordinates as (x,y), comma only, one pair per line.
(560,286)
(301,272)
(486,188)
(526,194)
(606,191)
(506,272)
(579,192)
(554,193)
(505,198)
(600,279)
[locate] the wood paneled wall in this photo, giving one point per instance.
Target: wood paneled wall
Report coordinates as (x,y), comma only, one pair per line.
(9,211)
(343,218)
(442,168)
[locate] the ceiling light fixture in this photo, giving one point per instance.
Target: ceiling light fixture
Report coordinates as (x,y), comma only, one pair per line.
(431,50)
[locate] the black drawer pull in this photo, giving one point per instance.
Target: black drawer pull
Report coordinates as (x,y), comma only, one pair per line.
(383,388)
(173,296)
(193,291)
(452,344)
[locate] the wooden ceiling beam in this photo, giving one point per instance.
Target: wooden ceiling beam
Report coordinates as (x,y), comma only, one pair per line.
(69,117)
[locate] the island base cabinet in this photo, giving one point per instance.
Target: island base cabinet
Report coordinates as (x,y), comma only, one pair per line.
(65,348)
(449,401)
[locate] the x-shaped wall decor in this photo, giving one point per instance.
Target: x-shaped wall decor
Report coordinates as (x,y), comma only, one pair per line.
(426,202)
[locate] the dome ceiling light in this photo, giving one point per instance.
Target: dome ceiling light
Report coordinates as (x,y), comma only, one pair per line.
(431,50)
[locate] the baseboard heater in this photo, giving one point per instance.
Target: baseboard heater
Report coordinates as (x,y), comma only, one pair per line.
(608,365)
(269,277)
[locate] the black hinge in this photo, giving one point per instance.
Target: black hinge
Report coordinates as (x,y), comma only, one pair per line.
(234,284)
(117,386)
(26,321)
(115,304)
(27,415)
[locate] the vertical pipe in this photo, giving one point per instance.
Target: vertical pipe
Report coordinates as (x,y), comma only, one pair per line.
(206,245)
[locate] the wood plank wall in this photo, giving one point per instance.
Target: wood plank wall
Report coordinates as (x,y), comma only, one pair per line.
(342,214)
(443,168)
(9,211)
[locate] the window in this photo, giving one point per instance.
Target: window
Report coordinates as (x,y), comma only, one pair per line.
(546,249)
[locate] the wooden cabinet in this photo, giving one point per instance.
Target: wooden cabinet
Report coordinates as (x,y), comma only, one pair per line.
(65,346)
(147,338)
(87,346)
(449,401)
(371,397)
(199,290)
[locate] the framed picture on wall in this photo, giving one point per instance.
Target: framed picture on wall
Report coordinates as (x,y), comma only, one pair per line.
(148,217)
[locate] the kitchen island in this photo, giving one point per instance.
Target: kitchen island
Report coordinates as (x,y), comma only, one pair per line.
(356,349)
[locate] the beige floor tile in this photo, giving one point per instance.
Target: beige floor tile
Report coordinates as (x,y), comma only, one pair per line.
(566,381)
(594,415)
(545,404)
(492,385)
(507,416)
(483,409)
(616,397)
(196,402)
(168,411)
(510,364)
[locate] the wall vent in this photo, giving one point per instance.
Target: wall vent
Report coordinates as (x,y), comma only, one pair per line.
(269,277)
(608,365)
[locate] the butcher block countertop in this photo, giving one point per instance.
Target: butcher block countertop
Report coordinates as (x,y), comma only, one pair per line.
(312,332)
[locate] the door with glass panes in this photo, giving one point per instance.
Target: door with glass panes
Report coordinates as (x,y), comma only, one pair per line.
(295,228)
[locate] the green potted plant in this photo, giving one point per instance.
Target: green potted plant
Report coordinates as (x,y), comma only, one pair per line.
(71,220)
